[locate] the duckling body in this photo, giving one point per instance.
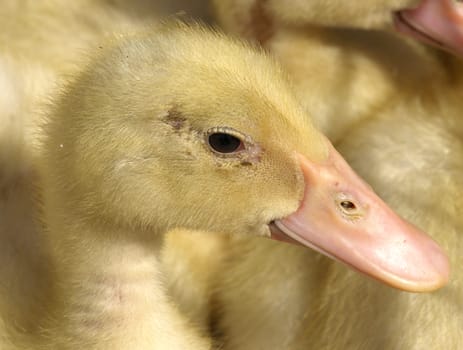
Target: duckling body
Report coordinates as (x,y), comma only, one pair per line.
(396,116)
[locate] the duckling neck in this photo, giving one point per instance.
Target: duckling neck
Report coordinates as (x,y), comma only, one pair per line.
(104,273)
(108,282)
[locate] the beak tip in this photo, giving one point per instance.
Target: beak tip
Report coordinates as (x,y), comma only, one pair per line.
(435,277)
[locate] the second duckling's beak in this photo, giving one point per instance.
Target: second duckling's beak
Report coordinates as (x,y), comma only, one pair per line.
(340,216)
(438,22)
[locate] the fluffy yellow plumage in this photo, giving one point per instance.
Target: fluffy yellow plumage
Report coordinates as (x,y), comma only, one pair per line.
(126,155)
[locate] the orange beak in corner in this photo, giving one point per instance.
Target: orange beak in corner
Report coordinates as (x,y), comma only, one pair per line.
(437,22)
(341,217)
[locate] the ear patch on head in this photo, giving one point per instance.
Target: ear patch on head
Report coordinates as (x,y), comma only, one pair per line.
(175,119)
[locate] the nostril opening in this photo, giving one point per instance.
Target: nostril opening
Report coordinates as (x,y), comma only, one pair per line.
(348,205)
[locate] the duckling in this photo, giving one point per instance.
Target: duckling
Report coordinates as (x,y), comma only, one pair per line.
(395,114)
(152,136)
(439,23)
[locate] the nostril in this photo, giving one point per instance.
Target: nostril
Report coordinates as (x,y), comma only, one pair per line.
(348,205)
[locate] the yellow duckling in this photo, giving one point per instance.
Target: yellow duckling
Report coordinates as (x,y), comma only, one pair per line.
(151,136)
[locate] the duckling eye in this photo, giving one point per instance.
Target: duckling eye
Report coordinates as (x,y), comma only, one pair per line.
(225,143)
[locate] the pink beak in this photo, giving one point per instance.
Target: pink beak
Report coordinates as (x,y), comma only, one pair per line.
(340,216)
(438,22)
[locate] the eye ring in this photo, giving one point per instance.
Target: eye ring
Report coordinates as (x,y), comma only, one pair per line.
(225,141)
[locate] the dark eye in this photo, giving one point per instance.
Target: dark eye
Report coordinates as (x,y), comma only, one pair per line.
(225,143)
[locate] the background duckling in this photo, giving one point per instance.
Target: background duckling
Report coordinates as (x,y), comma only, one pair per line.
(395,113)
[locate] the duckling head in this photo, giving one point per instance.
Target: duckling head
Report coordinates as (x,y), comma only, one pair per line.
(368,14)
(435,22)
(185,128)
